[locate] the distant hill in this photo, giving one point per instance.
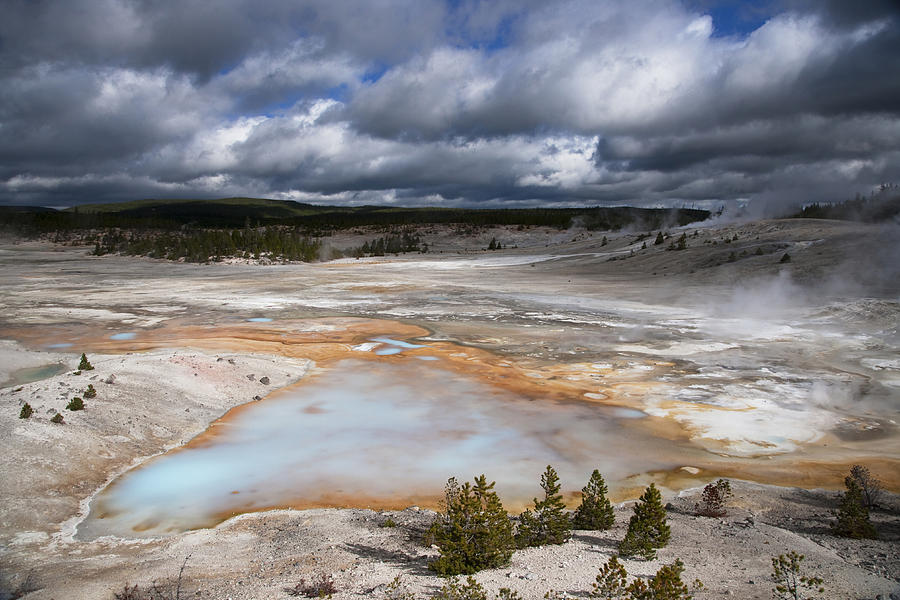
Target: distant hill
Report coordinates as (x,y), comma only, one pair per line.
(256,228)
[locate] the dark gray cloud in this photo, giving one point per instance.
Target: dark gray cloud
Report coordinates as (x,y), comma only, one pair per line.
(464,102)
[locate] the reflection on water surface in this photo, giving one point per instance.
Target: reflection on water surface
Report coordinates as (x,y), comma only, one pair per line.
(390,432)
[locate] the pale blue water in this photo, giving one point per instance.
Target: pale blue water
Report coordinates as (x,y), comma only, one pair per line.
(398,343)
(260,320)
(388,351)
(374,429)
(128,335)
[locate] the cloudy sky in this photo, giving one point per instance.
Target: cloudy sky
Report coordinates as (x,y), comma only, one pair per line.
(449,102)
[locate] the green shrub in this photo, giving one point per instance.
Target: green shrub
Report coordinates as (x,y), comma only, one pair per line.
(715,497)
(595,512)
(852,514)
(647,528)
(548,523)
(389,522)
(659,239)
(790,583)
(75,403)
(454,590)
(58,419)
(666,584)
(85,364)
(474,532)
(786,258)
(26,411)
(90,392)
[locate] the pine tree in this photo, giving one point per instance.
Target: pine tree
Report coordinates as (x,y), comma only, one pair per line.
(647,528)
(611,581)
(790,583)
(715,497)
(26,411)
(852,514)
(870,485)
(474,532)
(57,418)
(659,239)
(90,392)
(75,403)
(548,523)
(595,512)
(85,365)
(665,585)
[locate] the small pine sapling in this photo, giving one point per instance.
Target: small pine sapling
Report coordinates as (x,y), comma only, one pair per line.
(58,419)
(715,497)
(90,392)
(75,403)
(26,411)
(790,583)
(595,512)
(647,528)
(397,590)
(666,584)
(852,514)
(454,590)
(612,580)
(548,523)
(85,364)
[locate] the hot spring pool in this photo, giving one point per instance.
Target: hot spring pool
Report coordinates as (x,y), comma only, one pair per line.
(381,433)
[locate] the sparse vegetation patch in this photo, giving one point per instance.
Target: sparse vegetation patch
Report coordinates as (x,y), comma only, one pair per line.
(26,411)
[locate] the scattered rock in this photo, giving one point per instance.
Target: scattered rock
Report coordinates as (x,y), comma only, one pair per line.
(110,380)
(264,380)
(251,377)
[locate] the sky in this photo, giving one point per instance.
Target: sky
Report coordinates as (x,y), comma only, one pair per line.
(479,103)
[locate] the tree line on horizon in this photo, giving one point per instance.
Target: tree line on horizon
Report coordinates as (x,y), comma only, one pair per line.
(232,215)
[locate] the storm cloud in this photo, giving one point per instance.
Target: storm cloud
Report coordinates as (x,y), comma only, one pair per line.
(462,102)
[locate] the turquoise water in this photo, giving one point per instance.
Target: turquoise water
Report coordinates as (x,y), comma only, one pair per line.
(367,429)
(128,335)
(32,374)
(260,320)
